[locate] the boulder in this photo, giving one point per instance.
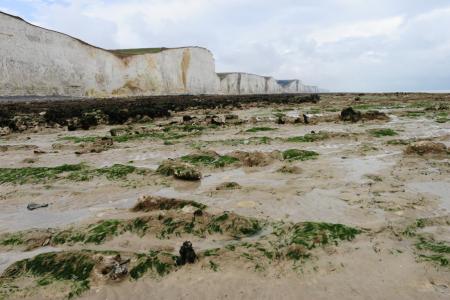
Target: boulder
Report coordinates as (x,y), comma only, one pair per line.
(187,254)
(426,147)
(179,170)
(350,115)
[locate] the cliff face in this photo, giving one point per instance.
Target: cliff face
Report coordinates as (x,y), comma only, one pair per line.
(37,61)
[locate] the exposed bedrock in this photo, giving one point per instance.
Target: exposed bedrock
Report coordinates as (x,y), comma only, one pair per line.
(39,62)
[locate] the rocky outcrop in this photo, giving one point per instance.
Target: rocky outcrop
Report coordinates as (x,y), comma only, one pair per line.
(38,62)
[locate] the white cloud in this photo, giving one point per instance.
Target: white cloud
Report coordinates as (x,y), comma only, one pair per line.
(384,27)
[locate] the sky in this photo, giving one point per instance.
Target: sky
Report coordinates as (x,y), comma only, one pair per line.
(339,45)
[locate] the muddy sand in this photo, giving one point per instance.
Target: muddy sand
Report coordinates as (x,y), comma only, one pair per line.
(283,200)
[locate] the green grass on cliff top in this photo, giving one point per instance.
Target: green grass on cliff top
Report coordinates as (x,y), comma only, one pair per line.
(137,51)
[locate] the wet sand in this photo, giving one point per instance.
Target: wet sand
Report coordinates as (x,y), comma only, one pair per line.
(358,180)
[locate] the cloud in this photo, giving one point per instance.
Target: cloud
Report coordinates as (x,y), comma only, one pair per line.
(384,27)
(342,45)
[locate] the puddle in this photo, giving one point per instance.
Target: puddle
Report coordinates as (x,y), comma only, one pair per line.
(19,218)
(358,167)
(8,258)
(23,219)
(321,205)
(440,189)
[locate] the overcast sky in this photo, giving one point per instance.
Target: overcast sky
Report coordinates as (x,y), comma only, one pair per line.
(340,45)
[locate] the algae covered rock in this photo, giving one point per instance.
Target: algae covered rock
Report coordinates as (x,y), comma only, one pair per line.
(426,147)
(179,170)
(349,114)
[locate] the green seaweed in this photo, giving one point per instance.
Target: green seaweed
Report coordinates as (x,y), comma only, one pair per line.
(260,129)
(296,154)
(35,174)
(309,138)
(382,132)
(208,160)
(148,262)
(98,233)
(12,240)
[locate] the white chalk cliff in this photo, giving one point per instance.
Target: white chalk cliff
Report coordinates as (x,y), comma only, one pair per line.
(39,62)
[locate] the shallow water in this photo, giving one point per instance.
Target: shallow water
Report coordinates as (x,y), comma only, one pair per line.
(357,168)
(440,189)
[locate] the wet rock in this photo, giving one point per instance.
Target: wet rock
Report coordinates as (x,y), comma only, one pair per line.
(350,115)
(427,147)
(39,151)
(233,119)
(187,254)
(188,119)
(375,115)
(228,186)
(281,120)
(305,119)
(34,206)
(179,170)
(214,120)
(98,146)
(5,131)
(152,203)
(115,268)
(118,131)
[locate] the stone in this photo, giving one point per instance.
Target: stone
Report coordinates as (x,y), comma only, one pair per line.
(427,147)
(187,254)
(179,170)
(34,206)
(350,115)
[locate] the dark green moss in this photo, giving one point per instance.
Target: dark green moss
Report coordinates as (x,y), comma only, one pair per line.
(252,228)
(75,266)
(309,138)
(398,142)
(312,234)
(35,174)
(208,160)
(436,258)
(213,266)
(382,132)
(98,233)
(260,129)
(148,262)
(436,247)
(296,154)
(212,252)
(116,171)
(12,240)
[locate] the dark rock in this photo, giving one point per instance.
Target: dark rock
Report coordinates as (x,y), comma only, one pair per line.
(281,120)
(231,117)
(187,254)
(198,213)
(349,114)
(305,119)
(187,119)
(33,206)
